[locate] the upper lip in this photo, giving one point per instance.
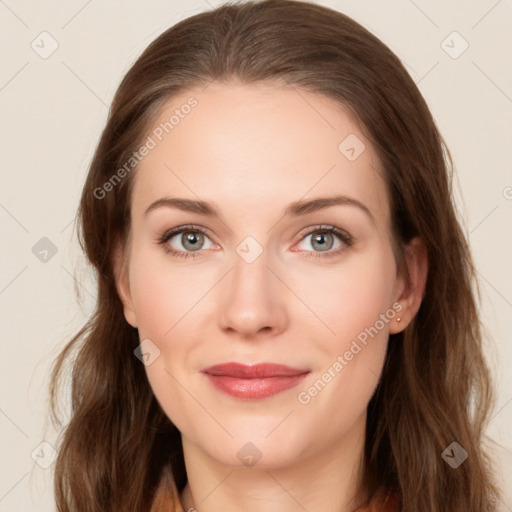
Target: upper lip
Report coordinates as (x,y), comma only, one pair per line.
(261,370)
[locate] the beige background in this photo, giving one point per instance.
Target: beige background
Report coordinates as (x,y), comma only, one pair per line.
(52,112)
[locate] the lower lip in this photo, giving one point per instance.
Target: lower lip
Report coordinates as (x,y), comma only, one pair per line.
(254,389)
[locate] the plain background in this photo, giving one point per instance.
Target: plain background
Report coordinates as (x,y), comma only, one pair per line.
(53,108)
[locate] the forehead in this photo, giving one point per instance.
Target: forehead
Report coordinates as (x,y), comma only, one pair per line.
(260,146)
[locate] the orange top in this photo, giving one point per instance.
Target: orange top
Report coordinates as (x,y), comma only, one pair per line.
(385,501)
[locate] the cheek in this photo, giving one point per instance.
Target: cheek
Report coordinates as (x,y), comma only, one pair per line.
(354,305)
(166,300)
(352,300)
(165,296)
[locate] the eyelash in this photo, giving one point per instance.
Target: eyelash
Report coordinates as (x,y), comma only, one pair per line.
(342,235)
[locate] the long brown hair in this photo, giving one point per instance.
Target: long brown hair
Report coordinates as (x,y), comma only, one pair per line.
(435,389)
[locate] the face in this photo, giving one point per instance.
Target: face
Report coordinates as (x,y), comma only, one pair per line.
(268,279)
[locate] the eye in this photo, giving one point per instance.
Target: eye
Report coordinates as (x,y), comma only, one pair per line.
(324,238)
(191,240)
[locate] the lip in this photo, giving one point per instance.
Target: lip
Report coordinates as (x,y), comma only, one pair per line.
(261,370)
(253,382)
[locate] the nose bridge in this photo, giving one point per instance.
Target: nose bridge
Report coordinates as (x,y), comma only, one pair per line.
(251,298)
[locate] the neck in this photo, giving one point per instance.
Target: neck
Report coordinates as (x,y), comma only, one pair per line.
(328,479)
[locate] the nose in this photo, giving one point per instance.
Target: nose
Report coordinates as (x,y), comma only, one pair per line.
(251,301)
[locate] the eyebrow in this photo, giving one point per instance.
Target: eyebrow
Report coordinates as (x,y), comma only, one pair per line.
(295,209)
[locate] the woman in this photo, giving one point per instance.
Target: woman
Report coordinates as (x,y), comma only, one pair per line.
(285,314)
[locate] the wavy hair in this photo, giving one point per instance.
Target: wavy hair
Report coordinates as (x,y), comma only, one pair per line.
(119,451)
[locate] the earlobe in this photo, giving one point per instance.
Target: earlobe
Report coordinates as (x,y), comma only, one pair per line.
(123,286)
(416,257)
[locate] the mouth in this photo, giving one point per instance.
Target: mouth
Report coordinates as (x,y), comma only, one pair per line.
(253,382)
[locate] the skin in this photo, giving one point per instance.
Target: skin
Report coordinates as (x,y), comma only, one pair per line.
(252,150)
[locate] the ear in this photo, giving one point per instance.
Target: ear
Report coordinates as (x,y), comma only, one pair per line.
(123,284)
(411,295)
